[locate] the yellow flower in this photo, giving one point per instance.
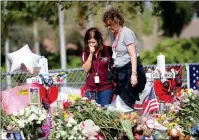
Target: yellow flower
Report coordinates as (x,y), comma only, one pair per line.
(158,119)
(189,92)
(66,115)
(163,117)
(124,116)
(74,97)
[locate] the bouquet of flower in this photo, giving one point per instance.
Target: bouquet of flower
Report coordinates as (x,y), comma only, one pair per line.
(188,114)
(29,120)
(183,113)
(79,110)
(64,126)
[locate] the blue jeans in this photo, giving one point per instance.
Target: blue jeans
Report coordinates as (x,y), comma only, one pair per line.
(102,97)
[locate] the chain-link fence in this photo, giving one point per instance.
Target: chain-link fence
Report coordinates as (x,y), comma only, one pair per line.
(75,77)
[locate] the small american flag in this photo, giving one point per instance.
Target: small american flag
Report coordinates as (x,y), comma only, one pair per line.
(149,103)
(194,76)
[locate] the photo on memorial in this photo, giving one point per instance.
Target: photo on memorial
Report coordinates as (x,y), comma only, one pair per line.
(34,95)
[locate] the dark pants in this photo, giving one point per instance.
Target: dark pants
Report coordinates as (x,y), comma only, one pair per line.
(101,97)
(124,88)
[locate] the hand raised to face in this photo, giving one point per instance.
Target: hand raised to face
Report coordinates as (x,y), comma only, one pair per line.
(92,44)
(92,49)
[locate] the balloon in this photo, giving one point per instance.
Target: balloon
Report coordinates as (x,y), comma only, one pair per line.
(48,95)
(23,56)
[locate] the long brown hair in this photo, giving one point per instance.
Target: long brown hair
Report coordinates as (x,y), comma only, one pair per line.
(96,34)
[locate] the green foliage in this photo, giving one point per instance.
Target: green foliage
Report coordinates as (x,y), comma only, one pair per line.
(25,12)
(108,121)
(147,22)
(175,51)
(175,14)
(74,61)
(127,8)
(53,61)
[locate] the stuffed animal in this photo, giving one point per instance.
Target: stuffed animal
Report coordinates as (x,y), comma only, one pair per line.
(147,134)
(177,134)
(137,129)
(141,131)
(90,130)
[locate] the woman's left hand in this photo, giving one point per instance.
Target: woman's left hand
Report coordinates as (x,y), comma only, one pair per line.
(134,80)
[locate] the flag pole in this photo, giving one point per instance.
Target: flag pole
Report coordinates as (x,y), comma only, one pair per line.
(188,76)
(62,37)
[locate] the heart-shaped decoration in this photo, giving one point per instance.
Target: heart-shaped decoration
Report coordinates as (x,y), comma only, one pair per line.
(48,95)
(162,92)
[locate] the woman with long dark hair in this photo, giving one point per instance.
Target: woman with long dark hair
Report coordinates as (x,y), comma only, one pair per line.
(96,59)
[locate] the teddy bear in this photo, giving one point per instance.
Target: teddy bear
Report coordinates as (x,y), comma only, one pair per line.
(90,130)
(141,131)
(147,134)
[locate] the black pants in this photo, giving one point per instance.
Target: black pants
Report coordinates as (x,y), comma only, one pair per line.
(124,88)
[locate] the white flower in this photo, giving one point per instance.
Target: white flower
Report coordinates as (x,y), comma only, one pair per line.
(85,98)
(15,114)
(63,133)
(42,117)
(71,137)
(93,102)
(80,137)
(21,112)
(3,135)
(75,128)
(69,125)
(58,135)
(38,122)
(27,114)
(21,123)
(72,121)
(32,117)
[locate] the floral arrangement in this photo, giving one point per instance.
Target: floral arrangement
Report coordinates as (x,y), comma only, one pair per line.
(64,126)
(29,120)
(68,120)
(183,114)
(81,118)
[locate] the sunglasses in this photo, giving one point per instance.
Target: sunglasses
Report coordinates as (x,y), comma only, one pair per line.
(108,25)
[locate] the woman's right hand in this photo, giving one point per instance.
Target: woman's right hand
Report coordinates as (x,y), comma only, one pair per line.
(92,49)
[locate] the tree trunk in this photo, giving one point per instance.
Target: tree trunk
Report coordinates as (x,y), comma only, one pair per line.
(155,27)
(62,38)
(35,32)
(7,50)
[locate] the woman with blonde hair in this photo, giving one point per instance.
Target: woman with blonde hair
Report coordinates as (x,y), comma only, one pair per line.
(127,65)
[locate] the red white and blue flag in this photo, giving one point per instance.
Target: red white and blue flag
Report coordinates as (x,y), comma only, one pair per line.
(194,76)
(148,102)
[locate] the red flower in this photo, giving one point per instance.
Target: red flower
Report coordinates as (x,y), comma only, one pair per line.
(66,105)
(89,99)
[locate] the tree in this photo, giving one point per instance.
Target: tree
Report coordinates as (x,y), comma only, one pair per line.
(175,51)
(26,12)
(175,15)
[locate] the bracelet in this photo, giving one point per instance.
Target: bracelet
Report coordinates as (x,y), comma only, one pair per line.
(134,73)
